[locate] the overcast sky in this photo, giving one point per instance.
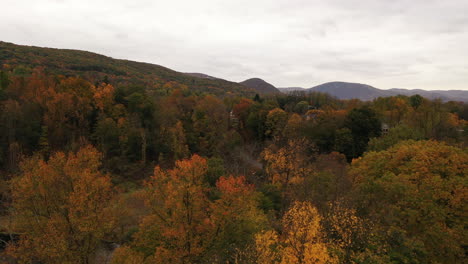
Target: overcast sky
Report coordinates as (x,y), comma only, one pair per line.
(384,43)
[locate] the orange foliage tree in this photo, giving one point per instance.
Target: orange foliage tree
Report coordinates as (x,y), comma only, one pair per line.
(180,213)
(184,225)
(67,109)
(61,207)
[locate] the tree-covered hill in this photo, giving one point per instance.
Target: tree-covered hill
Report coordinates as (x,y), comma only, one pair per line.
(96,67)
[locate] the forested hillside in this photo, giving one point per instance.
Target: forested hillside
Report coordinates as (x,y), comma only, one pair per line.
(95,68)
(112,161)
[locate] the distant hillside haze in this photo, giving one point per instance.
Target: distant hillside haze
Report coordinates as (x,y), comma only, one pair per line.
(451,95)
(346,90)
(201,75)
(291,89)
(260,86)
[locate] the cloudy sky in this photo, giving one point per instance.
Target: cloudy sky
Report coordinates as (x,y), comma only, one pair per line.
(385,43)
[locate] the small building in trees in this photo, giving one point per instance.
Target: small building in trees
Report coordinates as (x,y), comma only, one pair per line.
(233,120)
(385,128)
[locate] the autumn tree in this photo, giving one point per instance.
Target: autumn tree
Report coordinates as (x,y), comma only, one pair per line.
(275,122)
(353,239)
(172,143)
(326,183)
(104,97)
(236,216)
(68,106)
(186,225)
(293,128)
(392,110)
(322,127)
(301,241)
(178,141)
(241,111)
(210,122)
(61,208)
(414,192)
(288,165)
(179,226)
(433,120)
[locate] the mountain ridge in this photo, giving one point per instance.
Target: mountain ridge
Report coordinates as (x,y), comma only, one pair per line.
(96,67)
(349,90)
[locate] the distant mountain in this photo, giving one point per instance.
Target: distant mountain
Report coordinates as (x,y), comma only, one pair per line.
(260,86)
(95,67)
(451,95)
(291,89)
(344,90)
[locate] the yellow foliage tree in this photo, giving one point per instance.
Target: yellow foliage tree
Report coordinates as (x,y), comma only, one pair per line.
(293,127)
(302,239)
(275,122)
(104,97)
(414,192)
(288,165)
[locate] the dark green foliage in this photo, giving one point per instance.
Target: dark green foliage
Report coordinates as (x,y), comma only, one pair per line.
(106,135)
(256,123)
(395,135)
(271,198)
(257,98)
(363,124)
(344,142)
(4,82)
(215,170)
(44,147)
(22,71)
(416,100)
(301,107)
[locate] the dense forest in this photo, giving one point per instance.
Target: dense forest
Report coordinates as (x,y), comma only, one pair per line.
(109,161)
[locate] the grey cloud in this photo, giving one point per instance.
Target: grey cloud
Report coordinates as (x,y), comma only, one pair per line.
(399,43)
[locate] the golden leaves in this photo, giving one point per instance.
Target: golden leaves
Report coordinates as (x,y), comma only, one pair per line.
(412,186)
(287,164)
(301,241)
